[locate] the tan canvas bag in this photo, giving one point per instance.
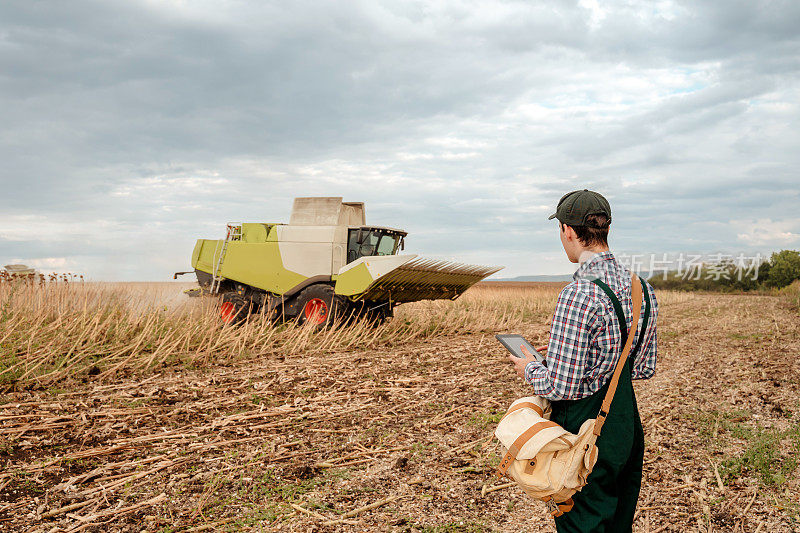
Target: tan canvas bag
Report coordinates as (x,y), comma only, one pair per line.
(548,462)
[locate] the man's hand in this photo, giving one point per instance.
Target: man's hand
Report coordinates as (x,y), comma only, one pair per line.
(520,363)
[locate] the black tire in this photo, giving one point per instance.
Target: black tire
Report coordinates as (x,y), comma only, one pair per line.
(381,314)
(318,302)
(234,309)
(375,313)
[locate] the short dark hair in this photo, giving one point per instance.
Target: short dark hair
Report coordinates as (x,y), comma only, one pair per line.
(595,232)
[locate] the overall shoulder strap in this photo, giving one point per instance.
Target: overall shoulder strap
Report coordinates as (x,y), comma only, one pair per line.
(617,307)
(636,297)
(645,320)
(621,315)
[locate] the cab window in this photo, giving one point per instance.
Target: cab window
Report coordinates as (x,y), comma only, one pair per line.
(387,245)
(369,242)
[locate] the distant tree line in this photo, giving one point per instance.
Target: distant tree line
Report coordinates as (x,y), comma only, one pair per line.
(780,270)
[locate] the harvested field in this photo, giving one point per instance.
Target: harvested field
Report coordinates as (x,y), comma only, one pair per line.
(521,284)
(120,416)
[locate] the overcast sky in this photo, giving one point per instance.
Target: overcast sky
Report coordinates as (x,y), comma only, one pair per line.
(129,129)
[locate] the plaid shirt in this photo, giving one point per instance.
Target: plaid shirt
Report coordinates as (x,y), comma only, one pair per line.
(585,340)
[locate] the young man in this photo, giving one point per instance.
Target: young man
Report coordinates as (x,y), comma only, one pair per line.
(585,345)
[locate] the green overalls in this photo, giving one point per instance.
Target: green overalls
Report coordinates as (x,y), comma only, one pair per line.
(608,501)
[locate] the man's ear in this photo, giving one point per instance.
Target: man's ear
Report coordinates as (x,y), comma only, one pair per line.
(569,233)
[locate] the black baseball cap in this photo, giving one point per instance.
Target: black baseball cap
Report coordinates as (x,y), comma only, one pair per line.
(574,207)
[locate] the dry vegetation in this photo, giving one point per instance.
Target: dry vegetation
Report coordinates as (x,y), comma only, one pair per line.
(61,330)
(127,408)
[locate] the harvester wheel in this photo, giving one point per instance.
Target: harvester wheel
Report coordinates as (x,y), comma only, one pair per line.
(233,309)
(319,305)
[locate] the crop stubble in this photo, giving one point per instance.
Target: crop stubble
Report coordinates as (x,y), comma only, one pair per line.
(384,429)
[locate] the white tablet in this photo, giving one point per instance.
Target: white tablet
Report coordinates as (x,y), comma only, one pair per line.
(513,344)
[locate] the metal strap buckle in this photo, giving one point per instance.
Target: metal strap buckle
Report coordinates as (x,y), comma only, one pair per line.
(552,506)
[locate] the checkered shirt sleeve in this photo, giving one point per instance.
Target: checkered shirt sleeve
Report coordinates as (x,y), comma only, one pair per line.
(577,322)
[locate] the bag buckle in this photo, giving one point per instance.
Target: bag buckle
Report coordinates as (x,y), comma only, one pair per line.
(552,507)
(558,509)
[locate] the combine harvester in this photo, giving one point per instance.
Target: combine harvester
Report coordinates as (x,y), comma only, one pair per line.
(20,271)
(325,264)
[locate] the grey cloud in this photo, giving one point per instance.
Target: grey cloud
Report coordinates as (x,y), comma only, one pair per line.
(462,122)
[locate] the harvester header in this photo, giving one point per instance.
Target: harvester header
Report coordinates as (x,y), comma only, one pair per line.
(325,262)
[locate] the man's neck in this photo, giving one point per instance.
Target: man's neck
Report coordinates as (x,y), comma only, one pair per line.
(588,253)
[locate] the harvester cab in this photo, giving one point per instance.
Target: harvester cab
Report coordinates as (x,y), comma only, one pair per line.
(326,263)
(368,241)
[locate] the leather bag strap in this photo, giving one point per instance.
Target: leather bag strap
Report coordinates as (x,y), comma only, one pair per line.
(520,442)
(524,405)
(636,297)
